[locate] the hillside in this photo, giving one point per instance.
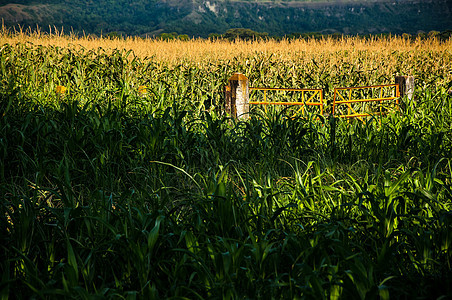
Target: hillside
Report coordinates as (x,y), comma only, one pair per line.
(202,17)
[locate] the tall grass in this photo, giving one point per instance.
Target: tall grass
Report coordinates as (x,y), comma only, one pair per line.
(108,192)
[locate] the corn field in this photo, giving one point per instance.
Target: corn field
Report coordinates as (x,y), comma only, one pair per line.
(120,177)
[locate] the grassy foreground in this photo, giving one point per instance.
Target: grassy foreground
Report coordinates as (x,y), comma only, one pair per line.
(109,192)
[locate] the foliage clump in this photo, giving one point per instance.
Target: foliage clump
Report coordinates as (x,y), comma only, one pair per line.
(108,191)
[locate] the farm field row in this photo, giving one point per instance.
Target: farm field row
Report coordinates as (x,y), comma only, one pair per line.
(109,192)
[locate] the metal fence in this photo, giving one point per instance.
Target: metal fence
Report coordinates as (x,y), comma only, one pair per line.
(363,101)
(348,102)
(303,98)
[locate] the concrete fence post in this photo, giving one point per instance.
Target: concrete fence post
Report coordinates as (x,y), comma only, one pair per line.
(406,86)
(237,95)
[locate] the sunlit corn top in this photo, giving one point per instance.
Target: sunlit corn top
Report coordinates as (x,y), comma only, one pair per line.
(61,90)
(142,90)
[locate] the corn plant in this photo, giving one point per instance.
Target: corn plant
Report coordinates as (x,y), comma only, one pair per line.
(121,177)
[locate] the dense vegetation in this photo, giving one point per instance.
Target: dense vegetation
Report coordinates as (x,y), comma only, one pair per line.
(201,18)
(110,189)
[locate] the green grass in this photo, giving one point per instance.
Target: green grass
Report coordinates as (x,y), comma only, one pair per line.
(106,194)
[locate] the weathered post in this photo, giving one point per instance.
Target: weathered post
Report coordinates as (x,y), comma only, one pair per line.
(237,96)
(406,86)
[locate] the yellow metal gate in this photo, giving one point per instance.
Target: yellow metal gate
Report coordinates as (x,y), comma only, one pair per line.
(363,101)
(307,97)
